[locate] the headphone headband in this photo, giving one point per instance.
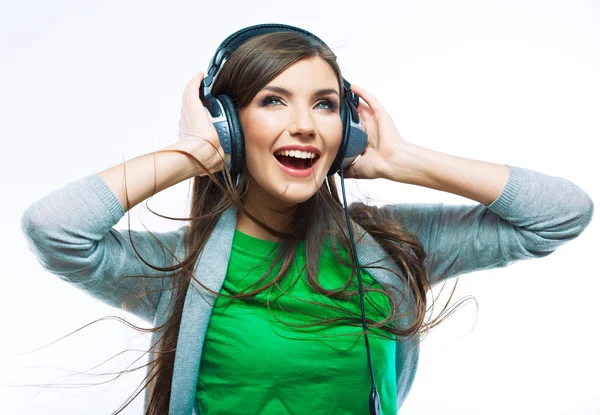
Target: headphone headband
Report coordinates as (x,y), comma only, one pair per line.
(236,39)
(239,37)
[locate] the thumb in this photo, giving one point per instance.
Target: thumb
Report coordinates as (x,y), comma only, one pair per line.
(349,172)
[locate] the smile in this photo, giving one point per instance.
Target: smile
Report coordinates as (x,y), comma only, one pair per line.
(301,166)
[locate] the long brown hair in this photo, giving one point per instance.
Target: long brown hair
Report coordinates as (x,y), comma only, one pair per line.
(247,70)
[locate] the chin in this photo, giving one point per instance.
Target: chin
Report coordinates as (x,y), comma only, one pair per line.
(293,193)
(276,188)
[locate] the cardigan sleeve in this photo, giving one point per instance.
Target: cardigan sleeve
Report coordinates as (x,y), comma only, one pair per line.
(533,216)
(71,233)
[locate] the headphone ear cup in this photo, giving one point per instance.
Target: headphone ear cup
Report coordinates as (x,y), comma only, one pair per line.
(340,155)
(237,134)
(354,138)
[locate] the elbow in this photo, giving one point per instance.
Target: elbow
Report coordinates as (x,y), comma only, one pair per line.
(42,234)
(28,225)
(35,233)
(586,216)
(541,243)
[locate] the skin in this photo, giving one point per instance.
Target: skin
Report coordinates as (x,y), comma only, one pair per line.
(386,156)
(301,118)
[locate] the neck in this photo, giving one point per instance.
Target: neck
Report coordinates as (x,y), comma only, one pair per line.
(264,207)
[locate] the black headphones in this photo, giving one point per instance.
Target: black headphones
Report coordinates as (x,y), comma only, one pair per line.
(224,115)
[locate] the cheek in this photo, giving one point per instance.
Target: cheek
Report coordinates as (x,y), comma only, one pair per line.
(334,134)
(256,138)
(255,120)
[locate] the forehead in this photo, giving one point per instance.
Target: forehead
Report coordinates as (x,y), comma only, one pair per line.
(307,75)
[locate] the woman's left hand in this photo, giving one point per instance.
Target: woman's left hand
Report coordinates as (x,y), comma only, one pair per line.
(384,144)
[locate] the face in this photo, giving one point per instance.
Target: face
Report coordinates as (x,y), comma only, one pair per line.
(299,108)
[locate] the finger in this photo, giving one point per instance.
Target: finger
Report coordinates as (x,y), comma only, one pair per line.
(348,173)
(364,111)
(370,99)
(195,81)
(192,88)
(367,115)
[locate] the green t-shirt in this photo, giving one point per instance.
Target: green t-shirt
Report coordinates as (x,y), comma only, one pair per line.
(254,364)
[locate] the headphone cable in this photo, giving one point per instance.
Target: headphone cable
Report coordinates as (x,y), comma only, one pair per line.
(374,402)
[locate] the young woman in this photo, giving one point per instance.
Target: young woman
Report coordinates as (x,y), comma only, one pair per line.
(255,302)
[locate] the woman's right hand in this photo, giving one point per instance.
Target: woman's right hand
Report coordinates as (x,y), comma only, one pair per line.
(197,134)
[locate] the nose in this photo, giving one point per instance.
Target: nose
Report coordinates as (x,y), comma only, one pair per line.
(302,123)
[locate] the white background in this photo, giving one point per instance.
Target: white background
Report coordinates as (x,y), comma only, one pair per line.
(85,85)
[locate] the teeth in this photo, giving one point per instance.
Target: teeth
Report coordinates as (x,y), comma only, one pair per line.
(296,153)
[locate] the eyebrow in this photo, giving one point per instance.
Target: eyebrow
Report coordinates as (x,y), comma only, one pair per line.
(287,93)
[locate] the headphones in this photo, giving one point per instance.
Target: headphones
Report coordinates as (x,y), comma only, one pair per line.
(224,115)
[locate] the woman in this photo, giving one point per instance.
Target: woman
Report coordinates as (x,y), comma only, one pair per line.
(254,303)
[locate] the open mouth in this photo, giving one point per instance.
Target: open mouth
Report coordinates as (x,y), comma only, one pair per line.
(296,163)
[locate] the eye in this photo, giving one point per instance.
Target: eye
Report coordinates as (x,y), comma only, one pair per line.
(331,105)
(270,99)
(276,101)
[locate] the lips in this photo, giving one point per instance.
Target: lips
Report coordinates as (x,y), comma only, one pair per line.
(297,163)
(309,149)
(294,168)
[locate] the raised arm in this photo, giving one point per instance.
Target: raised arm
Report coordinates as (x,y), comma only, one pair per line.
(71,233)
(534,214)
(71,230)
(521,213)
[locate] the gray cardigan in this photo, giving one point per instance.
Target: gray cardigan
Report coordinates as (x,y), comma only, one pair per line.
(71,233)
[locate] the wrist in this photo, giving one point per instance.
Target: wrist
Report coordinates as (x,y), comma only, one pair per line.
(183,155)
(179,162)
(404,165)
